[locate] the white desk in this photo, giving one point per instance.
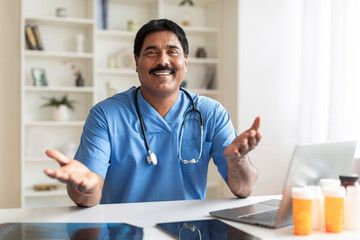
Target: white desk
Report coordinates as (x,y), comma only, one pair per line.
(146,215)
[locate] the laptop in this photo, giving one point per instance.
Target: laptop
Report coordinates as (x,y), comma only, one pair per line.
(309,164)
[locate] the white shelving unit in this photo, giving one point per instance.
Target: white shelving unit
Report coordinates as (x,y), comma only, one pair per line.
(107,66)
(38,131)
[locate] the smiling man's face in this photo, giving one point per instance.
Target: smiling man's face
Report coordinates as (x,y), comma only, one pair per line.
(161,65)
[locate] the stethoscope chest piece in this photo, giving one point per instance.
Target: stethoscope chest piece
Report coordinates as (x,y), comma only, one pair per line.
(151,158)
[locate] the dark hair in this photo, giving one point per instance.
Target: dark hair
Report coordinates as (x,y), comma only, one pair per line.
(156,26)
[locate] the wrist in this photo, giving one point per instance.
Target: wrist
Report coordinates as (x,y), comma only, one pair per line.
(237,159)
(84,193)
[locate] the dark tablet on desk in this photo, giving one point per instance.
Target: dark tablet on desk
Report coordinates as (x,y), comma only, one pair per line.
(79,231)
(205,230)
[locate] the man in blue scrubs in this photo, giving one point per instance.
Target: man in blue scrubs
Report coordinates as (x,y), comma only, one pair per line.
(111,163)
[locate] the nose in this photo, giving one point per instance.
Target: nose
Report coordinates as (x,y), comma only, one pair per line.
(163,59)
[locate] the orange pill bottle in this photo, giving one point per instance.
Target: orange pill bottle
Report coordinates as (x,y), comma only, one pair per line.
(302,207)
(334,208)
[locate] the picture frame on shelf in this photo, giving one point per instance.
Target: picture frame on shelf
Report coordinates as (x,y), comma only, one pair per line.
(39,77)
(208,82)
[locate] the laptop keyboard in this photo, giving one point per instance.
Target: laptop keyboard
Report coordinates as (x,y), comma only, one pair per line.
(268,217)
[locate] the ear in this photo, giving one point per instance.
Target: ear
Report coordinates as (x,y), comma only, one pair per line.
(185,59)
(136,62)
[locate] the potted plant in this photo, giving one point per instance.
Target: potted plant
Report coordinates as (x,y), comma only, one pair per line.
(186,19)
(183,2)
(59,107)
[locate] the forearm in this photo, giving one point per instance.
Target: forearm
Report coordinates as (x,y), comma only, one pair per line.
(242,176)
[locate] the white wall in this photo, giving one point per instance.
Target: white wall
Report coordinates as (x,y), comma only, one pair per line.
(261,62)
(229,63)
(229,58)
(9,104)
(263,79)
(269,74)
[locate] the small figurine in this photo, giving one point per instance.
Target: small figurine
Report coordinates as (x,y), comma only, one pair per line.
(201,53)
(79,81)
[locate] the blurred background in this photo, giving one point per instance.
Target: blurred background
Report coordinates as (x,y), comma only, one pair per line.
(294,63)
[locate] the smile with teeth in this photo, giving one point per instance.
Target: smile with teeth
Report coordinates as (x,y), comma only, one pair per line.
(162,73)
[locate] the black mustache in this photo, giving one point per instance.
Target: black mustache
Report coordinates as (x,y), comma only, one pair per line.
(162,68)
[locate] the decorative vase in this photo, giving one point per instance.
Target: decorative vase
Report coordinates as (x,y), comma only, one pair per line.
(60,113)
(186,19)
(79,82)
(201,52)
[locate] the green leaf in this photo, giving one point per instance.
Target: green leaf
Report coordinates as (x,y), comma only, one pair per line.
(190,2)
(56,102)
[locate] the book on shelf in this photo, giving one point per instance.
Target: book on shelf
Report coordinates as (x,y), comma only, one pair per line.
(39,44)
(33,38)
(105,13)
(30,37)
(99,14)
(102,14)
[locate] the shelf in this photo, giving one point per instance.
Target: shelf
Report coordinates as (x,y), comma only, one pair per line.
(205,91)
(59,89)
(203,60)
(115,33)
(199,29)
(38,160)
(130,71)
(37,53)
(136,2)
(61,21)
(59,192)
(55,124)
(197,3)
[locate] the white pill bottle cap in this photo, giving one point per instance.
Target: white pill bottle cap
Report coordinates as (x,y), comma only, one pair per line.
(302,193)
(336,192)
(316,189)
(328,182)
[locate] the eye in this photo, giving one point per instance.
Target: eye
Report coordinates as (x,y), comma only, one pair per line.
(150,53)
(173,52)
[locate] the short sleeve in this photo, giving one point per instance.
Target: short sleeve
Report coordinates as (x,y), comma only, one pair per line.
(94,149)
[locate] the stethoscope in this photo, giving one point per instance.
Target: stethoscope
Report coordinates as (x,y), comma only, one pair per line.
(151,158)
(191,228)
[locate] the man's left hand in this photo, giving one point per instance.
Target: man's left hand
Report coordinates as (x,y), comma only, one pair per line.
(242,174)
(244,143)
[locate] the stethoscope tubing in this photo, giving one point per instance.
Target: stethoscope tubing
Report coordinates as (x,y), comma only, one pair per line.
(151,156)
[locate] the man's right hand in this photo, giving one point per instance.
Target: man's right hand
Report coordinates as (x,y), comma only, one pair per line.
(84,186)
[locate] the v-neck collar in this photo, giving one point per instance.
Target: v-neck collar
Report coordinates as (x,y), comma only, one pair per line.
(154,122)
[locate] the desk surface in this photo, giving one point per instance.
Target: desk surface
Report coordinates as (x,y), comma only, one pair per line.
(146,215)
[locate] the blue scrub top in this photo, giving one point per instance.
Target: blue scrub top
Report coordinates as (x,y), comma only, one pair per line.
(112,145)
